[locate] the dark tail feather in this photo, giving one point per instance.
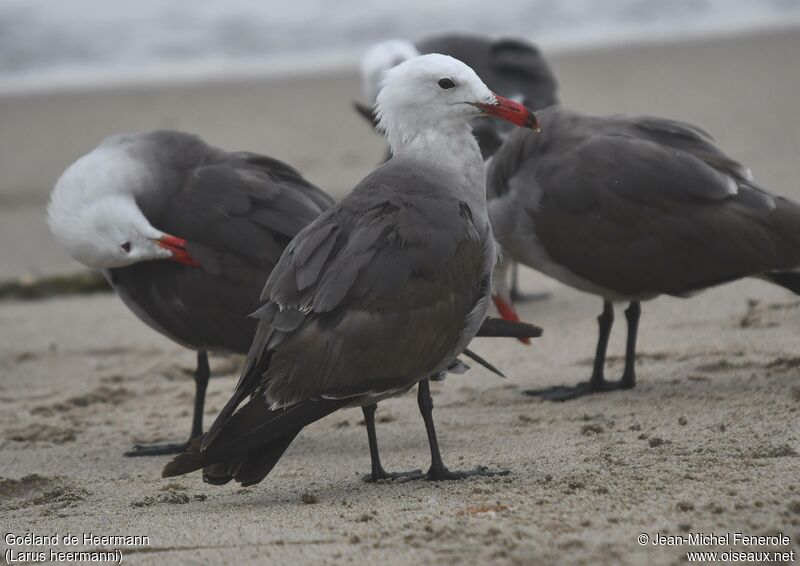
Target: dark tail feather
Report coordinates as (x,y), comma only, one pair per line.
(250,442)
(500,328)
(473,356)
(185,462)
(243,388)
(260,463)
(252,466)
(788,279)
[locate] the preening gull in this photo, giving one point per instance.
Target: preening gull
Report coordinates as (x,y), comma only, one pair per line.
(185,233)
(381,291)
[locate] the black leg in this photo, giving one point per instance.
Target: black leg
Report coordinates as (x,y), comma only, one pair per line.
(632,313)
(438,471)
(378,473)
(605,321)
(201,377)
(597,383)
(518,296)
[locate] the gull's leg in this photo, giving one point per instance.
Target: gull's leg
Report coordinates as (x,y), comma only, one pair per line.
(632,313)
(597,383)
(378,473)
(438,471)
(605,321)
(201,377)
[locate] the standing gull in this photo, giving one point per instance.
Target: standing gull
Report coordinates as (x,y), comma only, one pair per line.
(381,291)
(187,234)
(629,208)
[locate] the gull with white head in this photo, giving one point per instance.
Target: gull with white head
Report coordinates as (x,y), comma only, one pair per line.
(185,233)
(382,290)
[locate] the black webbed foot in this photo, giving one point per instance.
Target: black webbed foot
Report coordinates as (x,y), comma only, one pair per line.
(559,393)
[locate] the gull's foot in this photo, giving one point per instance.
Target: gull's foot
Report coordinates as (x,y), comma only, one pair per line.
(559,393)
(520,297)
(158,449)
(441,473)
(381,475)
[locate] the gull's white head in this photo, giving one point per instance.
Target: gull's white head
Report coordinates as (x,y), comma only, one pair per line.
(93,213)
(380,58)
(435,94)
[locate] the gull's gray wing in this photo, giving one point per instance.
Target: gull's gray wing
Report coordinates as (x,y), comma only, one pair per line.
(621,201)
(372,296)
(237,212)
(248,207)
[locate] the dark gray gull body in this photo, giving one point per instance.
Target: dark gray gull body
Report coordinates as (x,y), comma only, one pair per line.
(381,291)
(629,208)
(187,235)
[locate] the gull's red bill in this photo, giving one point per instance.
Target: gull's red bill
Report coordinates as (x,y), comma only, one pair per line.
(178,248)
(510,111)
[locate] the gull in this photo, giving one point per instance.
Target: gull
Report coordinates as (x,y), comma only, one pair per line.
(630,208)
(381,291)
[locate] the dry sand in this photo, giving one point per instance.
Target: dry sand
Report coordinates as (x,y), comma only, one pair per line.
(708,441)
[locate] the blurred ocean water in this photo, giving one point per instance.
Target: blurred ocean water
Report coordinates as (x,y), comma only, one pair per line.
(47,43)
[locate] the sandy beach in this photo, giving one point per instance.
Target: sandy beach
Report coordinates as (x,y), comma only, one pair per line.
(708,441)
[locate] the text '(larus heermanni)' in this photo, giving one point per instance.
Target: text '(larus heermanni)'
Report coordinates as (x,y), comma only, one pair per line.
(629,208)
(381,291)
(187,235)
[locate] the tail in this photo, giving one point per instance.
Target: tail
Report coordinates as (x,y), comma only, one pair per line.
(249,443)
(788,279)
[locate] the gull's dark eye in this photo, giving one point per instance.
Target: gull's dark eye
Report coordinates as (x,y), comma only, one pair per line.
(125,247)
(446,83)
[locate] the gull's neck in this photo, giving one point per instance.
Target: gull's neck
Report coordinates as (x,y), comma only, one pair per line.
(453,149)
